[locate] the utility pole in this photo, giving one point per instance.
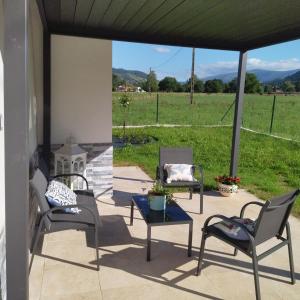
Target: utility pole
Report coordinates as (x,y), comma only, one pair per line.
(192,76)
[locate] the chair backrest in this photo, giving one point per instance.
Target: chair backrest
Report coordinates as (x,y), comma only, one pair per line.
(175,156)
(274,216)
(39,185)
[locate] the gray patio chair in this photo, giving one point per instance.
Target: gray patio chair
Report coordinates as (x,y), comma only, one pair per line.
(271,222)
(55,219)
(179,156)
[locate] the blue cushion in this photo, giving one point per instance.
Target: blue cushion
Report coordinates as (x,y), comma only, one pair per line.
(58,194)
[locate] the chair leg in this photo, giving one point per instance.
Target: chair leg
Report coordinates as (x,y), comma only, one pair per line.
(255,273)
(35,243)
(96,246)
(201,199)
(291,259)
(235,252)
(201,254)
(191,193)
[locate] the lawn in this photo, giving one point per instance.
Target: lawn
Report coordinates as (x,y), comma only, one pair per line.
(174,108)
(267,167)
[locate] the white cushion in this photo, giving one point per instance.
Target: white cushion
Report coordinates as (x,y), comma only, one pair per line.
(179,172)
(58,194)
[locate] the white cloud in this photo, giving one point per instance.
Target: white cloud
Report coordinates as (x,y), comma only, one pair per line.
(280,65)
(161,49)
(223,67)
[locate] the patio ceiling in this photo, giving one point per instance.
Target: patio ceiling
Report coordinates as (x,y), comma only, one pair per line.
(214,24)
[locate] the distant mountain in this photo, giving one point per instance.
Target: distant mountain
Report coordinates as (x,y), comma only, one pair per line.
(130,76)
(294,77)
(263,76)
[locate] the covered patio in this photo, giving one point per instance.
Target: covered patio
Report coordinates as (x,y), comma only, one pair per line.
(65,267)
(52,47)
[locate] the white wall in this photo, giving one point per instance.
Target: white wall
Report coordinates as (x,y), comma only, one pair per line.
(81,97)
(2,175)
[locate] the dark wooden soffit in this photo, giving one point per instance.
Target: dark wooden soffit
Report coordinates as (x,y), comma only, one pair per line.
(214,24)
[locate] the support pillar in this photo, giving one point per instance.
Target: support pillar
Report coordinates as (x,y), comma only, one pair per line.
(16,124)
(238,112)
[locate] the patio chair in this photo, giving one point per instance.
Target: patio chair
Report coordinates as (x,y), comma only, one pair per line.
(179,156)
(271,222)
(56,219)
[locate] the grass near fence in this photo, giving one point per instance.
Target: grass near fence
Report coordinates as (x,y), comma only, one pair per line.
(267,167)
(174,108)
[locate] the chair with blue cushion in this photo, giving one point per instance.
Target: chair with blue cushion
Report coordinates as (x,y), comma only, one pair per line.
(55,219)
(271,223)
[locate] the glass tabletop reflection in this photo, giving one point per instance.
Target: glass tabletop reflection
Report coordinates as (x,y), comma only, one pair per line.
(173,214)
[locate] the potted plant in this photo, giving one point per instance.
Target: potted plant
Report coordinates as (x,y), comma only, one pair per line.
(158,196)
(227,185)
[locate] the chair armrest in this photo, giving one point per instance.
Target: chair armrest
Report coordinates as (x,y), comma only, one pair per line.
(224,218)
(160,173)
(73,174)
(201,174)
(247,204)
(62,207)
(157,173)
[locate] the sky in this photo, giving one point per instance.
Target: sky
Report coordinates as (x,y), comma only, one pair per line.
(176,61)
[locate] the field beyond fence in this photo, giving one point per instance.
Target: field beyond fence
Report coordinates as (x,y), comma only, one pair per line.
(212,110)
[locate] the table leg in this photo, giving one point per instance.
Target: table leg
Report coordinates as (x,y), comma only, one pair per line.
(131,212)
(190,239)
(148,242)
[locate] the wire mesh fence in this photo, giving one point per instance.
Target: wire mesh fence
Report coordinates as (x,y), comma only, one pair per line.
(262,113)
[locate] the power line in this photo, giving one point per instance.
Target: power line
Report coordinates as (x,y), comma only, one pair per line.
(169,59)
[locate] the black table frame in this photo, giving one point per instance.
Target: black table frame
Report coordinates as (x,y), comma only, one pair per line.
(149,225)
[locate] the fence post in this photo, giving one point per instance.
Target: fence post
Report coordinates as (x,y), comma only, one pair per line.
(273,111)
(157,99)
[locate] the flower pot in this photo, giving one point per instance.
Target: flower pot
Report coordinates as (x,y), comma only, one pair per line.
(227,190)
(157,202)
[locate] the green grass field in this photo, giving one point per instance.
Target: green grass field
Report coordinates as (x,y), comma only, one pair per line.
(174,108)
(267,167)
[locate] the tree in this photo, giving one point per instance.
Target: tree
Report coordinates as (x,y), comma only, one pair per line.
(213,86)
(116,81)
(297,86)
(288,87)
(151,83)
(230,87)
(252,85)
(198,85)
(268,89)
(168,84)
(180,87)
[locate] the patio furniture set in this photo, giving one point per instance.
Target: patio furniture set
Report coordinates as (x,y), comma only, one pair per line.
(241,233)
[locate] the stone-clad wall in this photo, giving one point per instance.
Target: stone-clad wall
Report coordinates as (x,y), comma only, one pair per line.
(99,167)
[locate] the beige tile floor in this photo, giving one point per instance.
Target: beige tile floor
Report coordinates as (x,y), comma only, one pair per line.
(65,269)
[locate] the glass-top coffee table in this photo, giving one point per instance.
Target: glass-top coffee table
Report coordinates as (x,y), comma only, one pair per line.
(173,215)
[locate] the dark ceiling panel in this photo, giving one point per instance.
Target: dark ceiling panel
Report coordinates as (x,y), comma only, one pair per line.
(164,10)
(67,11)
(189,11)
(52,11)
(132,8)
(83,11)
(215,24)
(206,12)
(113,12)
(97,13)
(146,10)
